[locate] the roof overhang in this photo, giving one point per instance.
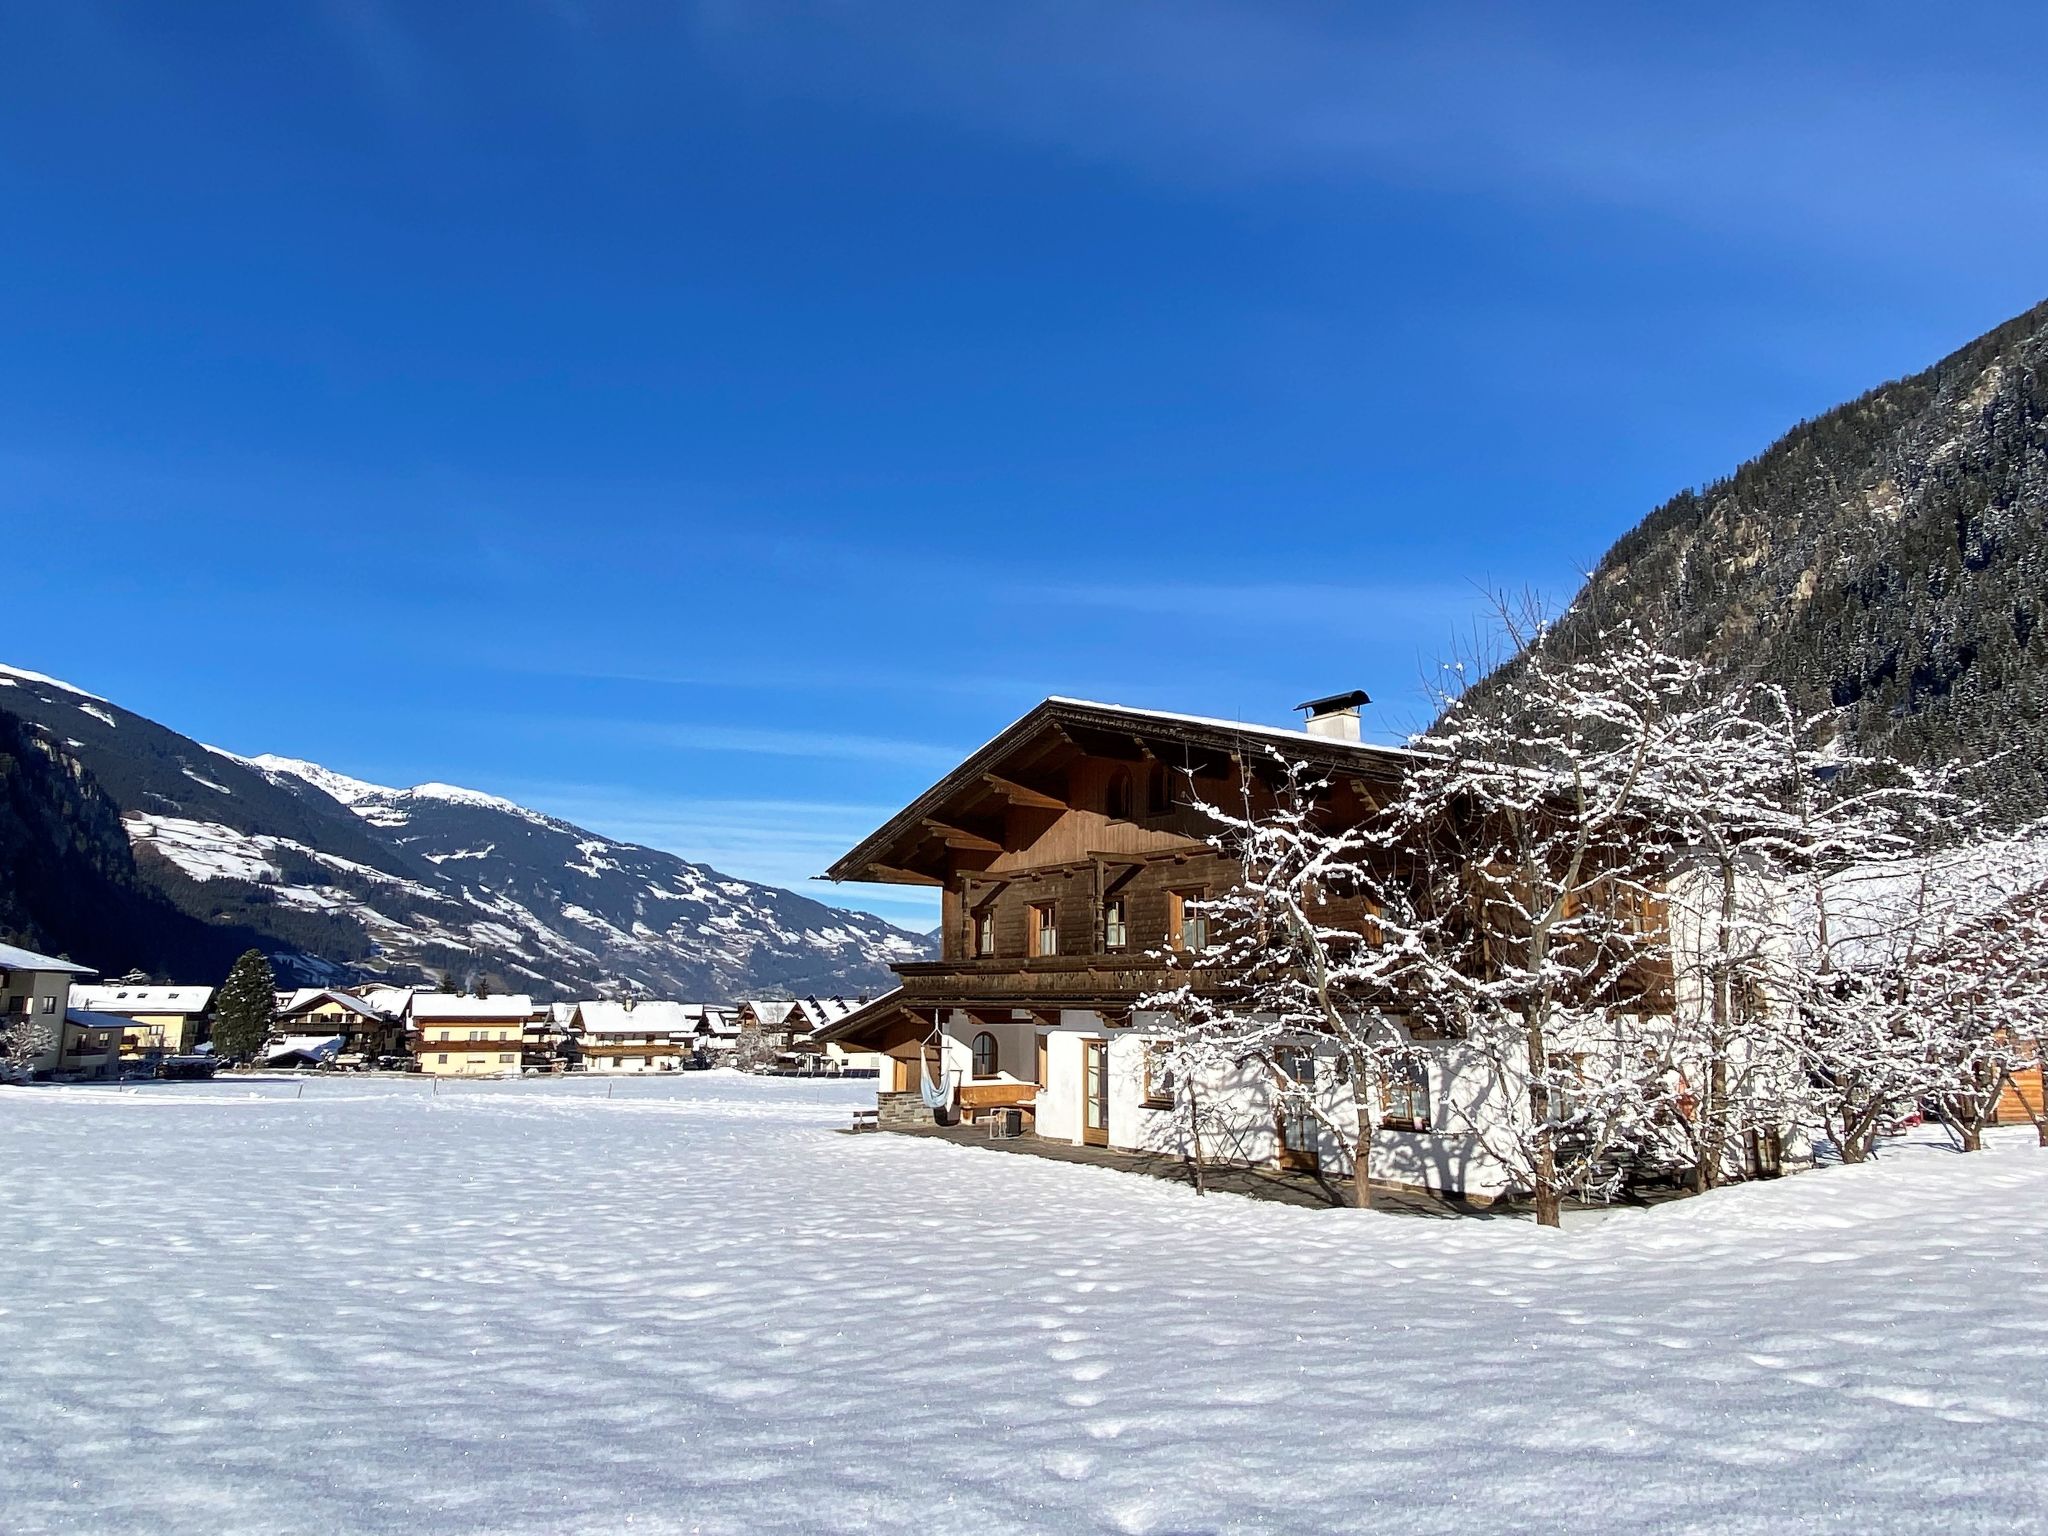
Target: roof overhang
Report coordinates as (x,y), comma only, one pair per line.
(1110,730)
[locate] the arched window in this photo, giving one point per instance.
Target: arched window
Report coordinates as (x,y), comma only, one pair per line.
(1116,800)
(984,1054)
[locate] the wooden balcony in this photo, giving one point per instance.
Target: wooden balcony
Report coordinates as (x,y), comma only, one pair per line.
(1074,981)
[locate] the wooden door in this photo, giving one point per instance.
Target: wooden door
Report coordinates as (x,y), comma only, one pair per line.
(1095,1093)
(1294,1126)
(1040,1076)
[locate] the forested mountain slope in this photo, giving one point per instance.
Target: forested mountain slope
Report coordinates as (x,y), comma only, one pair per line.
(1888,559)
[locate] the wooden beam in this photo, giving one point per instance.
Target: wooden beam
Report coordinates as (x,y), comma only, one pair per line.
(1019,794)
(960,837)
(887,874)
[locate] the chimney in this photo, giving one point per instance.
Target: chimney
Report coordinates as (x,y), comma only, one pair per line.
(1336,717)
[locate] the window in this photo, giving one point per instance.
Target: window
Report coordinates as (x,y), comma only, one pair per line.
(49,1005)
(1116,799)
(1115,934)
(1407,1097)
(444,1059)
(504,1058)
(985,931)
(1159,1078)
(1186,928)
(984,1054)
(1045,928)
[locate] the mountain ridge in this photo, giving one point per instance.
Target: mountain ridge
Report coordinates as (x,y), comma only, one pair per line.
(1886,561)
(347,879)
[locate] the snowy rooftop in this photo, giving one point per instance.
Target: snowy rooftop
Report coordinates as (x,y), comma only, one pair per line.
(14,958)
(450,1005)
(131,999)
(604,1017)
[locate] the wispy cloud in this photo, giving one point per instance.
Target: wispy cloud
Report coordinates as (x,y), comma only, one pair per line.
(1596,104)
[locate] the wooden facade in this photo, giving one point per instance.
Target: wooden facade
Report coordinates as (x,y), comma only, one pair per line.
(1071,854)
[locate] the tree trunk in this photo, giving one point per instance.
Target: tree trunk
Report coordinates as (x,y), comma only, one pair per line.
(1361,1161)
(1195,1137)
(1971,1135)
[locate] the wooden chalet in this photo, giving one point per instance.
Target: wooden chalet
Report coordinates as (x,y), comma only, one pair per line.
(1070,854)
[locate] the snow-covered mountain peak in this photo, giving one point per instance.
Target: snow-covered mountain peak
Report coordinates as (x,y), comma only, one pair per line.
(340,786)
(455,794)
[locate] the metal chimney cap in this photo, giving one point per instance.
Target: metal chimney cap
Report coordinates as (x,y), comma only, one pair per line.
(1336,702)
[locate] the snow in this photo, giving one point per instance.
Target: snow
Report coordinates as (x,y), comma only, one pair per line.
(12,676)
(339,786)
(205,850)
(455,794)
(96,712)
(697,1307)
(207,783)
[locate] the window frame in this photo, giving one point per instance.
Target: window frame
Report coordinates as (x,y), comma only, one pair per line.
(984,930)
(1044,929)
(986,1063)
(1160,1090)
(1405,1098)
(1179,920)
(1117,938)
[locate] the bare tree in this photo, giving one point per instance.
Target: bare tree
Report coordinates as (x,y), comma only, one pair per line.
(1290,962)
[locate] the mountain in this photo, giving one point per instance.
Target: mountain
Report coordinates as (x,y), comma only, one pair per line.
(341,880)
(1888,561)
(70,880)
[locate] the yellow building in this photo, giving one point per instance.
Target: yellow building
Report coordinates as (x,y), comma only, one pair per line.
(158,1021)
(470,1036)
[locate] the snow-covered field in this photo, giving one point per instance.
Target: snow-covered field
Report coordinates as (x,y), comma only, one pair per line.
(694,1306)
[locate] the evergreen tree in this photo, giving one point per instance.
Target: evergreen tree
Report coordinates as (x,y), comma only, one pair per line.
(247,1003)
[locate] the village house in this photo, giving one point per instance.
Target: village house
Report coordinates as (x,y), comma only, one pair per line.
(785,1033)
(718,1031)
(318,1026)
(634,1036)
(458,1036)
(161,1020)
(44,1039)
(1072,856)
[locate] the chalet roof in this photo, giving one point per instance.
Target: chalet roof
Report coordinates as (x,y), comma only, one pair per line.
(601,1016)
(449,1005)
(1165,736)
(772,1012)
(13,958)
(850,1025)
(315,997)
(143,999)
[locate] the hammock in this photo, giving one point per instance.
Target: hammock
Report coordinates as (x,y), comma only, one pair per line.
(939,1095)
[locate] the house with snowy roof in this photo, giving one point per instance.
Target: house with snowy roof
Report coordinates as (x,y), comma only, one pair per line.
(39,1036)
(1074,861)
(162,1020)
(458,1036)
(718,1031)
(635,1035)
(784,1033)
(322,1026)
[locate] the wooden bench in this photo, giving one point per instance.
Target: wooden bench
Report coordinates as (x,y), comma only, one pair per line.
(867,1120)
(977,1099)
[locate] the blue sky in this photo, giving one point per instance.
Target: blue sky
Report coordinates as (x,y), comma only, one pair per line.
(707,421)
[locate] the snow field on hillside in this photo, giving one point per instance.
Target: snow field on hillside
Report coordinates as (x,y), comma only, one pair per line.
(695,1305)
